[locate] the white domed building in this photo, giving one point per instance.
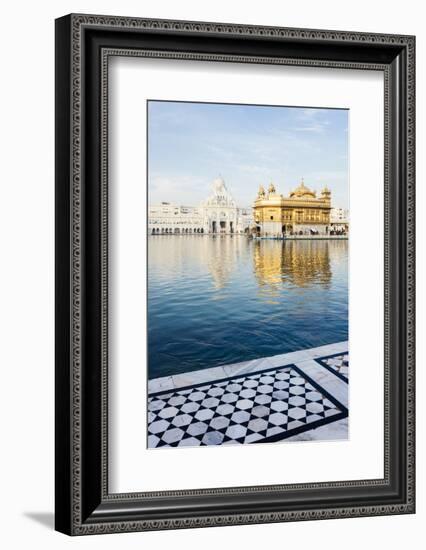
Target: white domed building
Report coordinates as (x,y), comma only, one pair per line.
(218,214)
(220,210)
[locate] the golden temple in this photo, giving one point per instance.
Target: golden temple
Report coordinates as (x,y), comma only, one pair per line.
(301,213)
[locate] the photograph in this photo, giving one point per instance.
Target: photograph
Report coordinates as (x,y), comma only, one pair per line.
(209,215)
(234,227)
(248,233)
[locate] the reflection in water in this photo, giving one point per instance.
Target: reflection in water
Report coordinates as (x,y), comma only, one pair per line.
(218,300)
(299,263)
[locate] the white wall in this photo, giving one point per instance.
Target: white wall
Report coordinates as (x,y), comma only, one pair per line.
(26,301)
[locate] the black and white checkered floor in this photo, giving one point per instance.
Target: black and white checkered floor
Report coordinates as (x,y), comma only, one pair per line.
(261,407)
(337,364)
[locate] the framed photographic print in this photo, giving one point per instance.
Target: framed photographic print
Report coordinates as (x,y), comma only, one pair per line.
(234,274)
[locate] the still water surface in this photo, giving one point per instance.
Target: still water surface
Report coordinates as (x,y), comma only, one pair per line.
(219,300)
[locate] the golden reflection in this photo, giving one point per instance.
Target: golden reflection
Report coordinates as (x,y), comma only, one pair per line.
(301,263)
(275,263)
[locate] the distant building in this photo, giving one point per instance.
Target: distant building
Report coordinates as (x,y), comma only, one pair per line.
(302,212)
(218,214)
(172,218)
(221,214)
(339,219)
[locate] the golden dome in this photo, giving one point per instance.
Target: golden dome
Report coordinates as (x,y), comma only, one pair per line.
(302,192)
(271,188)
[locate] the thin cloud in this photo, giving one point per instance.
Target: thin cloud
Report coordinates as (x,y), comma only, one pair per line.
(249,146)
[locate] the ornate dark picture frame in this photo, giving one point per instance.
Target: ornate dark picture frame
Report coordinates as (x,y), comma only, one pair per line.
(84,44)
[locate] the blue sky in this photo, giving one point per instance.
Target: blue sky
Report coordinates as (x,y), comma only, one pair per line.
(190,144)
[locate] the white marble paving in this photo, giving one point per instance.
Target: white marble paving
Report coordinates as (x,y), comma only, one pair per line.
(248,366)
(289,358)
(198,377)
(256,407)
(334,431)
(326,379)
(245,367)
(160,384)
(251,402)
(330,349)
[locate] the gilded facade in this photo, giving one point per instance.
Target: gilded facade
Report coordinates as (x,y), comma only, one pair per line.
(301,213)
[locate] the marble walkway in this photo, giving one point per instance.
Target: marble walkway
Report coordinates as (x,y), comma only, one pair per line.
(297,396)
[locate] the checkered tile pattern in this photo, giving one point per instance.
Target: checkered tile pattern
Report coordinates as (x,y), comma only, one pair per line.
(338,364)
(256,408)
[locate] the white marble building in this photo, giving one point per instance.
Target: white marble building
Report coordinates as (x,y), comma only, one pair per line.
(339,219)
(218,214)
